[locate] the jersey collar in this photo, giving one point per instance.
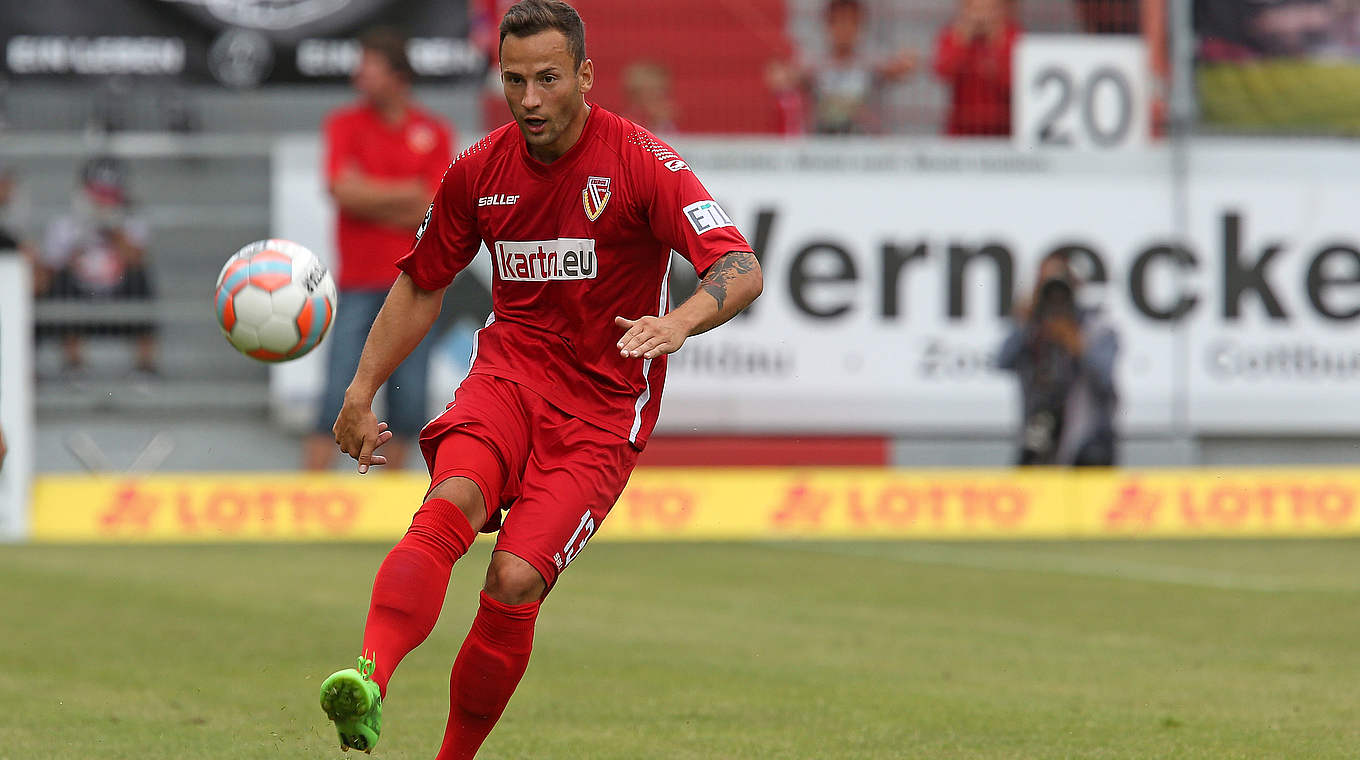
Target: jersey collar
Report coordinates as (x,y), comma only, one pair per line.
(573,153)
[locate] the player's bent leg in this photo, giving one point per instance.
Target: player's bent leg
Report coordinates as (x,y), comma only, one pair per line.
(409,589)
(408,594)
(466,493)
(494,655)
(511,580)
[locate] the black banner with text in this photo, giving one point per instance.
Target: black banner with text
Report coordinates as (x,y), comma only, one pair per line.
(235,43)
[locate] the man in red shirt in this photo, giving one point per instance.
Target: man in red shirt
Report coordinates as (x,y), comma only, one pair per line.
(384,158)
(580,210)
(973,57)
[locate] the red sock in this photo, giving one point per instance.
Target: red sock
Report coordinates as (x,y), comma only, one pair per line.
(408,591)
(489,666)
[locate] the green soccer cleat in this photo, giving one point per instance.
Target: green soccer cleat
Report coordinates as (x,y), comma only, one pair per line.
(353,701)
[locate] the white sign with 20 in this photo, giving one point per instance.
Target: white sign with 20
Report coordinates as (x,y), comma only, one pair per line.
(1078,92)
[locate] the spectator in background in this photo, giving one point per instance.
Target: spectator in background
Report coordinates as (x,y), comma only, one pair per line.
(385,156)
(97,252)
(1063,355)
(973,58)
(647,85)
(844,86)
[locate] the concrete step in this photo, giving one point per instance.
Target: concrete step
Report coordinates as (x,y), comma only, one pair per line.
(174,443)
(190,344)
(80,396)
(49,180)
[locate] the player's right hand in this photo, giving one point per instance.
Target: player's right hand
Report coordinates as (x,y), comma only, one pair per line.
(359,434)
(650,337)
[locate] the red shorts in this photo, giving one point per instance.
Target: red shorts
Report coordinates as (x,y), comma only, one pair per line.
(558,476)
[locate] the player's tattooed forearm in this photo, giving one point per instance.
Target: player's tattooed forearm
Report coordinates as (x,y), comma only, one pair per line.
(723,270)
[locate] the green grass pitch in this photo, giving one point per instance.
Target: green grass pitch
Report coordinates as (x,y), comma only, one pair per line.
(1186,649)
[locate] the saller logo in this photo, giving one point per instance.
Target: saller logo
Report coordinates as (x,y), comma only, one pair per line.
(595,197)
(544,260)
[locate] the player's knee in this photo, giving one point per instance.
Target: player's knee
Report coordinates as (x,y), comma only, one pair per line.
(511,580)
(464,494)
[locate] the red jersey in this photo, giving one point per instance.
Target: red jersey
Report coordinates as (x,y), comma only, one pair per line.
(417,148)
(573,244)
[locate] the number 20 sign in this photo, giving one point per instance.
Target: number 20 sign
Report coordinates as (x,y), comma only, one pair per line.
(1074,92)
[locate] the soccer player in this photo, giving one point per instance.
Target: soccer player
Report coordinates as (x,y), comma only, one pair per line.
(580,210)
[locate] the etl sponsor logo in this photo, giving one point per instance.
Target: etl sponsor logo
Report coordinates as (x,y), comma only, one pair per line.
(706,216)
(544,260)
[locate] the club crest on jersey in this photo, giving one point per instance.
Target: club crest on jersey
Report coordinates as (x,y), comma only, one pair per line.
(595,197)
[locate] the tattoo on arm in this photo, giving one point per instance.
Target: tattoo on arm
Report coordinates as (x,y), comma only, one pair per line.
(723,270)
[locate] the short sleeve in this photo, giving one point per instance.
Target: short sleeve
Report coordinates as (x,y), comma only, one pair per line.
(437,161)
(681,212)
(448,239)
(339,147)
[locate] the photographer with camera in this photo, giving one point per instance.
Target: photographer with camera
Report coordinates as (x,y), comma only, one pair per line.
(1063,354)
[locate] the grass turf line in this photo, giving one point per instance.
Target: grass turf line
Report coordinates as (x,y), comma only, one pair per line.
(1182,649)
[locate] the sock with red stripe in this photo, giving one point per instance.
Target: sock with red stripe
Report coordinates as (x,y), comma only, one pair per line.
(494,657)
(409,589)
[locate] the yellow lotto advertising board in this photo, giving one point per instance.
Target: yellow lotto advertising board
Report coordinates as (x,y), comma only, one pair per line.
(730,504)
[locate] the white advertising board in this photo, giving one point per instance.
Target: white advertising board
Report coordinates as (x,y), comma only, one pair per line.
(891,268)
(1080,92)
(300,211)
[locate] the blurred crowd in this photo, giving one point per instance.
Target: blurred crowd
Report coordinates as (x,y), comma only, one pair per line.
(840,89)
(840,67)
(825,67)
(95,252)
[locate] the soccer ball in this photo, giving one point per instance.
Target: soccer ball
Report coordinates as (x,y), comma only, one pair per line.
(275,300)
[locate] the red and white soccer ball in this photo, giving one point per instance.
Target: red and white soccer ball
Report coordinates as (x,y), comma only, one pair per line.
(275,300)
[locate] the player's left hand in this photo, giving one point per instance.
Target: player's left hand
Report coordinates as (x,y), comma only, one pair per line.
(649,337)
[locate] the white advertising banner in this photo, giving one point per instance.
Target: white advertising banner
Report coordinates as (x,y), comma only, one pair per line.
(889,279)
(1082,92)
(891,270)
